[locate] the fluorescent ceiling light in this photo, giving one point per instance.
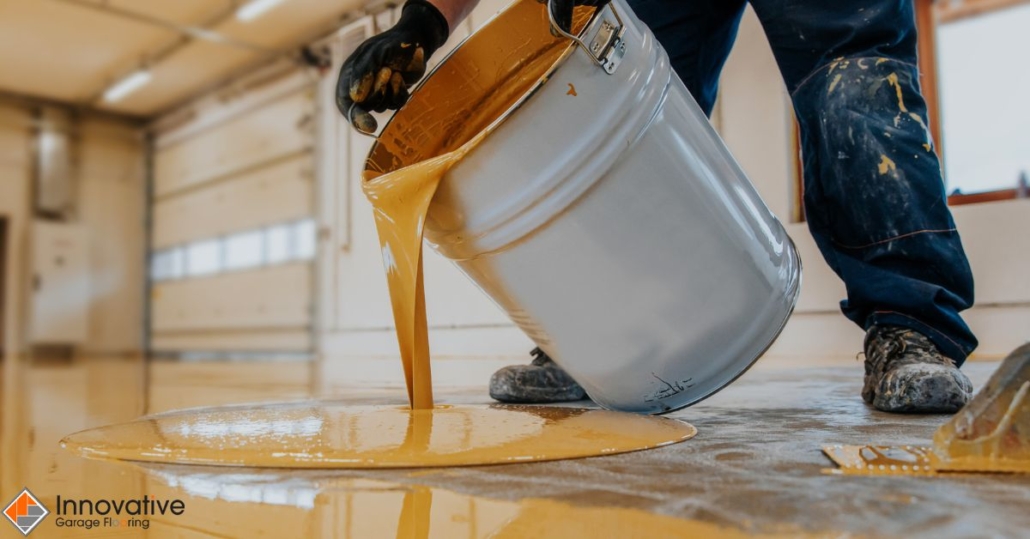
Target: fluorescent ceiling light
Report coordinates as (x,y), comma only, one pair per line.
(254,9)
(134,81)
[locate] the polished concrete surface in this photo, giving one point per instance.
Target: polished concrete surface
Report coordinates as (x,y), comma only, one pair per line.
(754,468)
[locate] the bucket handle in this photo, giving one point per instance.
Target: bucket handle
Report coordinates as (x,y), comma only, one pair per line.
(607,47)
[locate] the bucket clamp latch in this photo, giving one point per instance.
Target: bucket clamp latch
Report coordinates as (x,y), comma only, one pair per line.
(606,44)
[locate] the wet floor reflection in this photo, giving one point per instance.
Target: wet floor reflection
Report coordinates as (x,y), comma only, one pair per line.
(756,467)
(271,503)
(51,401)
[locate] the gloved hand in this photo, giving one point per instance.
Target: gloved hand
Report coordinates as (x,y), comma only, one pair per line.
(563,10)
(379,72)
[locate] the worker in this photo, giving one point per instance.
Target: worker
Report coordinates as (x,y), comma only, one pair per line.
(873,188)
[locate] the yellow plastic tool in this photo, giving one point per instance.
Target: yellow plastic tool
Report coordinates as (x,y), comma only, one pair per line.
(990,434)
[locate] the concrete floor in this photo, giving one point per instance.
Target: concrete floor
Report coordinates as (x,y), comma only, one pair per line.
(754,468)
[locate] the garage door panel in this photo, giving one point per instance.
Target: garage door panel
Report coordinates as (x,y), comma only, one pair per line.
(272,297)
(275,130)
(272,194)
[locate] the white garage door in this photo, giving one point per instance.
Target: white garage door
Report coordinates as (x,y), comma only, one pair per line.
(233,236)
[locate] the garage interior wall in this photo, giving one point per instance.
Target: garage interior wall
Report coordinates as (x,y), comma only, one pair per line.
(233,240)
(107,201)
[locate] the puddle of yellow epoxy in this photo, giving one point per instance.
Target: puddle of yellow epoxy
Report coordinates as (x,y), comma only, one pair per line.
(338,435)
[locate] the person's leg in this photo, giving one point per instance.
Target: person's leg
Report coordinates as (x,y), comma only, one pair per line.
(698,36)
(874,192)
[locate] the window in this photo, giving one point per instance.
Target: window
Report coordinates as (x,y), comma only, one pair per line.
(304,240)
(245,250)
(203,258)
(970,60)
(277,240)
(984,96)
(167,264)
(278,244)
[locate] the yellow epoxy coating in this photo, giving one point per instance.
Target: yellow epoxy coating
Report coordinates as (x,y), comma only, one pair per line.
(333,434)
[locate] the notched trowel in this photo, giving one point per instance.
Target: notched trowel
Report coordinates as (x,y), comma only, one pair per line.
(990,434)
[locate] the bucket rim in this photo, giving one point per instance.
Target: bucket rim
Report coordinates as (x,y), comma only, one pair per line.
(570,49)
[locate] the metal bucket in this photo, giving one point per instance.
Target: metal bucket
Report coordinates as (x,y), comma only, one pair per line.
(604,214)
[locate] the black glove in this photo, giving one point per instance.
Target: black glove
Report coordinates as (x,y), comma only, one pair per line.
(379,72)
(563,10)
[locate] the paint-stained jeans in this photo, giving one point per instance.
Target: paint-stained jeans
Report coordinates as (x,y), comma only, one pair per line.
(874,195)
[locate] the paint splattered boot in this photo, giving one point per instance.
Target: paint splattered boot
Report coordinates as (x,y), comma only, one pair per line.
(540,382)
(905,373)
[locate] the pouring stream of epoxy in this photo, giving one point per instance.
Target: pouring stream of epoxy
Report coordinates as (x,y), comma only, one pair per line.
(401,199)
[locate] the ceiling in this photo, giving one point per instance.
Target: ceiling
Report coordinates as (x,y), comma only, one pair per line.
(72,50)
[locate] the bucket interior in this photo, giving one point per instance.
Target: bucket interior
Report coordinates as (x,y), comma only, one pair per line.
(482,81)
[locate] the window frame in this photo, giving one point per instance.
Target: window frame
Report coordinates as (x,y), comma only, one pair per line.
(929,14)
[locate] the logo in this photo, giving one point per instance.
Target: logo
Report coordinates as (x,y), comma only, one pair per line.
(25,512)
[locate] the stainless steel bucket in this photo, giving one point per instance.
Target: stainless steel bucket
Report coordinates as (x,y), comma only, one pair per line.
(604,214)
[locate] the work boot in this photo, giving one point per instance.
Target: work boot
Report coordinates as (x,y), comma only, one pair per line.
(905,373)
(542,381)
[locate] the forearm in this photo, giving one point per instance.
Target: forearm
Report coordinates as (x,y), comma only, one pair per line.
(454,11)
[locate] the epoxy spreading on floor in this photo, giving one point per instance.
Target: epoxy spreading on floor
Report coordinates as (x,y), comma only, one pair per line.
(335,434)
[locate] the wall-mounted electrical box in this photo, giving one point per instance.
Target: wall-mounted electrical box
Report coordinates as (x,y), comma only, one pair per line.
(60,287)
